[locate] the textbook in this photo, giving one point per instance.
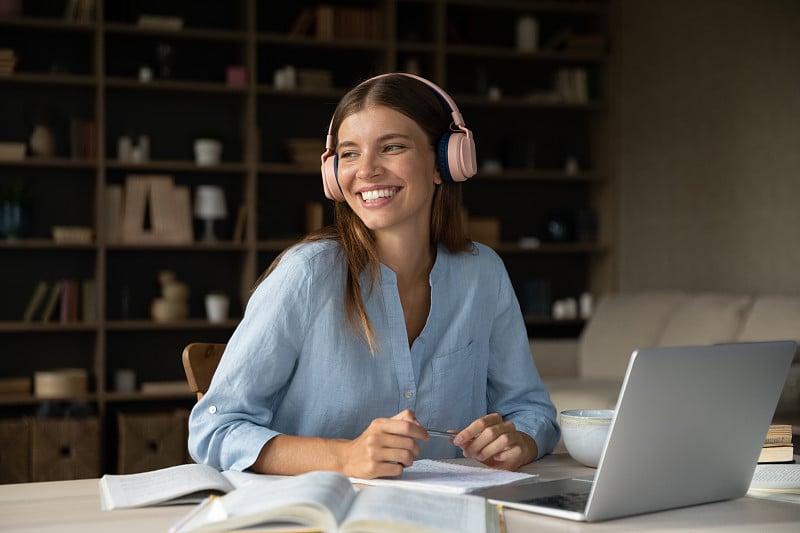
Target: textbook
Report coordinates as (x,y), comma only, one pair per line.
(779,482)
(191,483)
(328,502)
(188,483)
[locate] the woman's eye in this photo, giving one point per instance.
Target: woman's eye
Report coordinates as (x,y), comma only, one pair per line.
(347,155)
(392,147)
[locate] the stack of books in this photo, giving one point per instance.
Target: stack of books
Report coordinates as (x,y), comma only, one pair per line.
(778,446)
(7,61)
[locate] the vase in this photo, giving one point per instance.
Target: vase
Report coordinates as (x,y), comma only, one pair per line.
(14,219)
(42,143)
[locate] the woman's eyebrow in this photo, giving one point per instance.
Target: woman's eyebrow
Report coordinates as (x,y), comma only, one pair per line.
(383,138)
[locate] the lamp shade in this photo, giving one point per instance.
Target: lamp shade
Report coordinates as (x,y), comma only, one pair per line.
(209,202)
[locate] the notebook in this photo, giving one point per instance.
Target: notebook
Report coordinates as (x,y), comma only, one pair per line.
(690,422)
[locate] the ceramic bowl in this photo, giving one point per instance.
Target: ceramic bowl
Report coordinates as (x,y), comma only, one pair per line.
(585,432)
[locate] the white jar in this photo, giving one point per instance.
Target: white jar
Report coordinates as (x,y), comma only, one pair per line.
(527,34)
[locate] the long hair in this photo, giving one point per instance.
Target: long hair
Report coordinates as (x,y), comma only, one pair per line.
(418,102)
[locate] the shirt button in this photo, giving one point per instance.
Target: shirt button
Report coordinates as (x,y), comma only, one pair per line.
(408,394)
(212,409)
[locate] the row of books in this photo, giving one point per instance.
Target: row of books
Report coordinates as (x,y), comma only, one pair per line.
(338,22)
(778,447)
(148,209)
(75,301)
(8,60)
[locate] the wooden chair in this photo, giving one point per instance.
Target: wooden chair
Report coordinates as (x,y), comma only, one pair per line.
(200,360)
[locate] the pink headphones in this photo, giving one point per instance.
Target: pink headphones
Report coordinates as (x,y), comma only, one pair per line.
(455,150)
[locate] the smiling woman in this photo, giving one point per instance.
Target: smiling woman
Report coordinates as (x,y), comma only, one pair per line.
(390,321)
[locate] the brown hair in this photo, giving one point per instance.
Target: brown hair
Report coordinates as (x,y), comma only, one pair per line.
(420,103)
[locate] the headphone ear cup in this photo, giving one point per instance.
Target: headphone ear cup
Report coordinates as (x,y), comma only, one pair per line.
(455,156)
(442,148)
(330,183)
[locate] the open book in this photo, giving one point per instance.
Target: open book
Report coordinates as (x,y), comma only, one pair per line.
(776,482)
(328,502)
(191,483)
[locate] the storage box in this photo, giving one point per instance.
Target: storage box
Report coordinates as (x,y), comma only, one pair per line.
(15,450)
(65,449)
(12,151)
(60,383)
(151,441)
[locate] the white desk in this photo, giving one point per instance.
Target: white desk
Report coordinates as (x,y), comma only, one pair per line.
(74,506)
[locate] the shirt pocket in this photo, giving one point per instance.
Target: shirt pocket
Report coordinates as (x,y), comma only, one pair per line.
(454,385)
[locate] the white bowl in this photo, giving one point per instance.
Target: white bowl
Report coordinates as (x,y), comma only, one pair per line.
(585,432)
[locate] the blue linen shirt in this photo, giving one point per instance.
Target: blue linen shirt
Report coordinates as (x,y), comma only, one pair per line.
(295,366)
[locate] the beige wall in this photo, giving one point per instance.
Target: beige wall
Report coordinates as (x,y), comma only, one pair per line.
(709,148)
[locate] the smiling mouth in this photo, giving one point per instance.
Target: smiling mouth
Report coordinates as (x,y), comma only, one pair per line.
(378,194)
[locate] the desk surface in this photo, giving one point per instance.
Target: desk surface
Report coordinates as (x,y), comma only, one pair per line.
(75,506)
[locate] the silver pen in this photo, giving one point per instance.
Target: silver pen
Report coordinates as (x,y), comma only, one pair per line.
(440,433)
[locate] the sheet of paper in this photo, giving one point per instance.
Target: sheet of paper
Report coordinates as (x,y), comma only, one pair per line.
(428,474)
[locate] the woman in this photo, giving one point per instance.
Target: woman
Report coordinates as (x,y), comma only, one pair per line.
(391,321)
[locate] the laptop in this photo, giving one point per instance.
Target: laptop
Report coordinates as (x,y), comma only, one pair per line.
(689,426)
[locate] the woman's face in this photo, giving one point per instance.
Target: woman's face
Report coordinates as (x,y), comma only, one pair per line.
(387,171)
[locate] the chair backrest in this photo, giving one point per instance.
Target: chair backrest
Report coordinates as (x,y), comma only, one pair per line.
(200,360)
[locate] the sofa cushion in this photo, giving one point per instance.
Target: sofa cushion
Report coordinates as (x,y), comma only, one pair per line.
(622,323)
(773,317)
(705,318)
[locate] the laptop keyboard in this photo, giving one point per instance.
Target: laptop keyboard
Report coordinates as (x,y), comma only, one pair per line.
(568,501)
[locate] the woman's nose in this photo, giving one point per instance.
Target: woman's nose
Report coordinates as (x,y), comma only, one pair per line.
(368,166)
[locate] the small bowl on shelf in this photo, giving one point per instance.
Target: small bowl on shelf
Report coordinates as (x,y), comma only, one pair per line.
(585,432)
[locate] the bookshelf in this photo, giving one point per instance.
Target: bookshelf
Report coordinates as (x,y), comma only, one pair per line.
(91,71)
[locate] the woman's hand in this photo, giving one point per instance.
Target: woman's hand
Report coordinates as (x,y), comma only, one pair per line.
(386,447)
(496,443)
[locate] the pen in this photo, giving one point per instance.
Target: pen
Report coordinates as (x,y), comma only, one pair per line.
(440,433)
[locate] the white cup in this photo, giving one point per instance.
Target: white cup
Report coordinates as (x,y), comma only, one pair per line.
(207,152)
(125,380)
(217,307)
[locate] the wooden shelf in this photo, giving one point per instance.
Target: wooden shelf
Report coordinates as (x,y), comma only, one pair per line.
(149,325)
(202,34)
(254,120)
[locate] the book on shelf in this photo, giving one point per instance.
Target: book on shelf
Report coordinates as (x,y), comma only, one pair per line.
(80,10)
(88,300)
(38,296)
(319,501)
(241,218)
(778,447)
(113,213)
(52,301)
(15,385)
(82,138)
(69,301)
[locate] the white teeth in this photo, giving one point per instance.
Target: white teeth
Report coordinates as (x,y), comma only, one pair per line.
(370,196)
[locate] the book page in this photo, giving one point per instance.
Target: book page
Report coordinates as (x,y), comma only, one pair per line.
(776,477)
(409,510)
(318,499)
(428,474)
(160,486)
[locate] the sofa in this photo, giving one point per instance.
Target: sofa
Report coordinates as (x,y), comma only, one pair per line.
(587,373)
